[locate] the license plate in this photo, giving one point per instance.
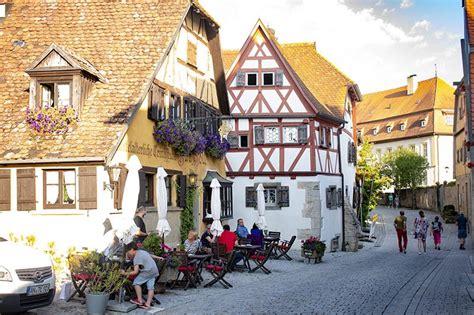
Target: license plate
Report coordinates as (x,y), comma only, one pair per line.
(37,290)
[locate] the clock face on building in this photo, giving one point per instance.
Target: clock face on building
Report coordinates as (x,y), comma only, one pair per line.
(290,135)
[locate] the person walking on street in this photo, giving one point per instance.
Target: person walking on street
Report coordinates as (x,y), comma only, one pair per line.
(436,230)
(461,222)
(400,225)
(421,229)
(390,200)
(397,201)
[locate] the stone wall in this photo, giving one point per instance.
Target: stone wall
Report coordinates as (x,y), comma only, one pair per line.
(430,198)
(311,209)
(351,227)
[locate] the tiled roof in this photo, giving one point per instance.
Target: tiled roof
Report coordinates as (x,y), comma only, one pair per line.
(323,83)
(394,106)
(123,40)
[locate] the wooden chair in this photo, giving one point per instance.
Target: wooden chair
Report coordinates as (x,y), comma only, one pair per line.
(218,268)
(189,271)
(261,257)
(274,234)
(79,276)
(283,247)
(218,250)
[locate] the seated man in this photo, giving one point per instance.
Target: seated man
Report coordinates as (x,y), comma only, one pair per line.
(145,270)
(206,239)
(241,230)
(229,239)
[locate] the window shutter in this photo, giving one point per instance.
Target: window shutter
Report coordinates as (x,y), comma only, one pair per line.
(26,196)
(250,197)
(322,136)
(328,198)
(328,137)
(5,197)
(87,188)
(141,194)
(284,196)
(153,104)
(302,134)
(182,183)
(349,153)
(259,135)
(233,140)
(339,197)
(118,191)
(240,78)
(279,78)
(354,153)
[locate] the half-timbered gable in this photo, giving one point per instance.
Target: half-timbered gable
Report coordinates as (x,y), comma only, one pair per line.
(291,117)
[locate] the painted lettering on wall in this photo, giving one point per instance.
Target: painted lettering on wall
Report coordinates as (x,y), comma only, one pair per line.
(163,153)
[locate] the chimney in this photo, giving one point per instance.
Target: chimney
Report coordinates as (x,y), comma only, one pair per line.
(412,84)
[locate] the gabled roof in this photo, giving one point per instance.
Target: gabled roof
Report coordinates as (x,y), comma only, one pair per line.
(323,84)
(123,41)
(394,107)
(75,61)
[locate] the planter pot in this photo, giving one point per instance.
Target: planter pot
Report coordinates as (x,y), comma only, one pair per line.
(96,303)
(311,254)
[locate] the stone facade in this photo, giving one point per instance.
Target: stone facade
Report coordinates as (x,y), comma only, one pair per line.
(351,227)
(311,209)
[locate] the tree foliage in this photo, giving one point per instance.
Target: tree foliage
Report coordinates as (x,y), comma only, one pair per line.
(406,168)
(374,180)
(187,216)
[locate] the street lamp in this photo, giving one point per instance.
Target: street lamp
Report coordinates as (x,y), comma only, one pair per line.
(192,179)
(114,173)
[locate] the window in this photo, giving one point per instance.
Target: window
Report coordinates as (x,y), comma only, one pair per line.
(359,133)
(57,94)
(270,194)
(168,189)
(375,131)
(389,129)
(400,147)
(268,78)
(412,147)
(272,135)
(226,201)
(424,149)
(192,54)
(156,103)
(147,191)
(290,135)
(402,127)
(389,150)
(175,107)
(323,137)
(251,79)
(244,141)
(423,123)
(449,119)
(59,189)
(332,201)
(378,154)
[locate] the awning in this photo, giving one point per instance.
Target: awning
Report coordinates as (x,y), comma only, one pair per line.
(214,174)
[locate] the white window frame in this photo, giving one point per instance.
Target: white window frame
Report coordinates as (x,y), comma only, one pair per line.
(267,189)
(375,131)
(273,78)
(389,129)
(265,134)
(247,78)
(423,123)
(284,134)
(403,127)
(449,119)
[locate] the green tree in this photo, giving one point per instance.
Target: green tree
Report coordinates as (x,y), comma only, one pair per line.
(373,179)
(407,169)
(187,216)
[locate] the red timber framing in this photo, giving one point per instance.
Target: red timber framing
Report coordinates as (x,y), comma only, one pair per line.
(274,159)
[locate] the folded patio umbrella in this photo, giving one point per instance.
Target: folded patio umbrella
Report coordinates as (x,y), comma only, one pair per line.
(216,227)
(261,221)
(163,227)
(127,227)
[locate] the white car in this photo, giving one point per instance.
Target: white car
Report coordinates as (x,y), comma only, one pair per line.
(27,278)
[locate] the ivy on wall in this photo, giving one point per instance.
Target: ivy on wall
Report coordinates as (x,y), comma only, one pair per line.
(187,216)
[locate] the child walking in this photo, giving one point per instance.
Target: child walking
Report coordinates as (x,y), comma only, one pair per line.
(436,230)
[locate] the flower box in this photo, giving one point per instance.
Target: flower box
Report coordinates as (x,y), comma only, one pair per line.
(312,254)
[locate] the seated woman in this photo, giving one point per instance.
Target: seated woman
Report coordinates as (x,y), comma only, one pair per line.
(192,245)
(256,236)
(206,239)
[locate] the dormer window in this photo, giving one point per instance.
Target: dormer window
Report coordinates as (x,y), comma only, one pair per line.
(423,123)
(375,131)
(389,129)
(53,75)
(402,127)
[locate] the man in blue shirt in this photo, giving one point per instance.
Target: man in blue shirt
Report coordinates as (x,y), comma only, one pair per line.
(461,222)
(241,230)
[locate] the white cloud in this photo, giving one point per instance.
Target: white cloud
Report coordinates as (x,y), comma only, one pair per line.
(373,52)
(406,4)
(379,3)
(387,11)
(423,25)
(425,61)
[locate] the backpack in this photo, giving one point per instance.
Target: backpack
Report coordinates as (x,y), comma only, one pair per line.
(436,226)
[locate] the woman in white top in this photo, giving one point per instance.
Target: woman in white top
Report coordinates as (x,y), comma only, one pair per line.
(192,244)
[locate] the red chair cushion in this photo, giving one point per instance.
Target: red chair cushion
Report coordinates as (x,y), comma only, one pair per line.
(210,267)
(283,246)
(186,268)
(257,257)
(82,277)
(131,277)
(218,268)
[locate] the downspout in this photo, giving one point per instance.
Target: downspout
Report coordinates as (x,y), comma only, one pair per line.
(339,130)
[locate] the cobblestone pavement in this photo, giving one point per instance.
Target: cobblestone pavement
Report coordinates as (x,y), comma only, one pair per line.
(375,280)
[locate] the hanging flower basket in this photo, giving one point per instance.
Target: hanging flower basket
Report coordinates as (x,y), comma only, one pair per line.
(51,120)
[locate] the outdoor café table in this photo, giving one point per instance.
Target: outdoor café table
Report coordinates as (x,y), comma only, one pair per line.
(199,259)
(247,250)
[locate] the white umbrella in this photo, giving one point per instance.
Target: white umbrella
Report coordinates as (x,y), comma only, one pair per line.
(163,226)
(216,227)
(127,227)
(261,222)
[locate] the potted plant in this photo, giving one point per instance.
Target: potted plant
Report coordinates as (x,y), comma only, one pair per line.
(313,248)
(104,278)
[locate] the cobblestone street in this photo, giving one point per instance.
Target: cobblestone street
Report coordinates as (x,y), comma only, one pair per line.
(375,280)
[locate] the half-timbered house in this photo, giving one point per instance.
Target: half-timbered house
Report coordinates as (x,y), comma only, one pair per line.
(123,67)
(292,131)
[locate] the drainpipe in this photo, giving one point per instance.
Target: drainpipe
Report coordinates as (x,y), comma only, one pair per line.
(339,130)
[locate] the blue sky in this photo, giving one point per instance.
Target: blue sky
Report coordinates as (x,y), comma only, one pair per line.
(377,43)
